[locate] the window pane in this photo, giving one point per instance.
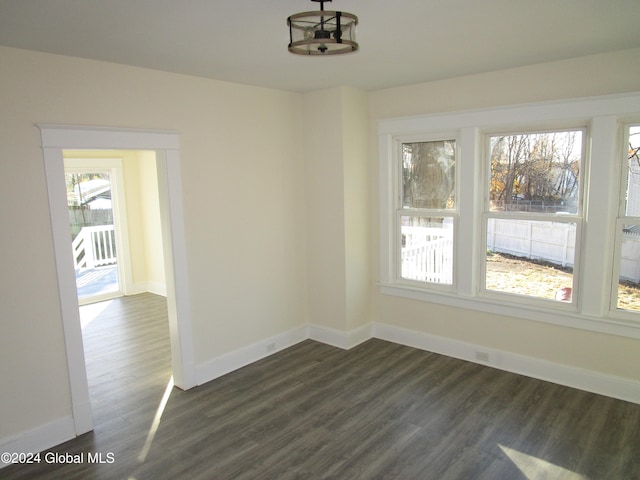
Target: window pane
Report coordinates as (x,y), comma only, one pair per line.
(633,177)
(628,294)
(428,174)
(427,249)
(531,258)
(629,281)
(537,172)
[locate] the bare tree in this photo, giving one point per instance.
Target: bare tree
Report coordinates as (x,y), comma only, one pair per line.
(507,163)
(428,174)
(540,167)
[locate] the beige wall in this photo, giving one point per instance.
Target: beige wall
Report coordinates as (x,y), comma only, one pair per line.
(587,76)
(604,74)
(243,199)
(324,201)
(337,207)
(154,275)
(356,207)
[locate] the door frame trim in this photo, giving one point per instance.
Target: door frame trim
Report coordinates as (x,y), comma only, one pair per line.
(54,139)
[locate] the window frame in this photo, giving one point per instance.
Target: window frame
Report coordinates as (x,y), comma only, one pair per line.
(602,117)
(401,211)
(621,220)
(577,218)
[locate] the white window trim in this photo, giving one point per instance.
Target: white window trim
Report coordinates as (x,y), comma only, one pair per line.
(603,117)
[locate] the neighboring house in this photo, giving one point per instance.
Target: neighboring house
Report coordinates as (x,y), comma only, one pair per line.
(96,194)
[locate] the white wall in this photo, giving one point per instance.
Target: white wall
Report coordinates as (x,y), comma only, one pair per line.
(243,199)
(587,76)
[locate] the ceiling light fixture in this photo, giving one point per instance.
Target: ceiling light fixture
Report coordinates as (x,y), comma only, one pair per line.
(322,32)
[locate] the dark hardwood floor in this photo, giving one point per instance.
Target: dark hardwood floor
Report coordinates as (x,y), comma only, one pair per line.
(378,411)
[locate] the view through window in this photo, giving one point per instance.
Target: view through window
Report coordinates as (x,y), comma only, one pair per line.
(426,217)
(628,287)
(534,213)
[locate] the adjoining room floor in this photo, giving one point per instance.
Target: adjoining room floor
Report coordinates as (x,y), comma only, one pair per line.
(97,281)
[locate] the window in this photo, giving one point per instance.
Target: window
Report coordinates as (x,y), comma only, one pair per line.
(426,215)
(627,279)
(513,211)
(533,213)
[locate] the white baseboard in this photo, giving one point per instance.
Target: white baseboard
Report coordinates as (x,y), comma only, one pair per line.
(587,380)
(59,431)
(151,287)
(339,338)
(157,288)
(83,416)
(236,359)
(40,438)
(582,379)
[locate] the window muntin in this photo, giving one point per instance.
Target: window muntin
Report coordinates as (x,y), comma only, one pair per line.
(532,217)
(627,284)
(426,213)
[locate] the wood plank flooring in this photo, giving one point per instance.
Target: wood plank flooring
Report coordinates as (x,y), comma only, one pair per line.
(378,411)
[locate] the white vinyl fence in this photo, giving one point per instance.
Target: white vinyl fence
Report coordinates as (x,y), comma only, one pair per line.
(554,242)
(630,261)
(550,241)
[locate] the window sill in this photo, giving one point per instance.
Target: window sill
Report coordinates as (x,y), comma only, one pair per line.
(554,316)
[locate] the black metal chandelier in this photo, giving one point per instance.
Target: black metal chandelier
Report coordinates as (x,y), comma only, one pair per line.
(322,32)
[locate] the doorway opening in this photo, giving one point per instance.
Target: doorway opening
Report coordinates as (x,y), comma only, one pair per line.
(95,225)
(56,142)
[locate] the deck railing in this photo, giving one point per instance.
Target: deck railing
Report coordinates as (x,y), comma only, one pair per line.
(427,254)
(94,247)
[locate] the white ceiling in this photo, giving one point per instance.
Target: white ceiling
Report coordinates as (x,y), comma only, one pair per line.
(245,41)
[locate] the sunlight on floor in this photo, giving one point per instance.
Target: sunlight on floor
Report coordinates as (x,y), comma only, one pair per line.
(88,313)
(156,422)
(535,468)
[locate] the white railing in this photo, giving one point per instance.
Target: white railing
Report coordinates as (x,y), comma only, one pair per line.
(427,254)
(94,247)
